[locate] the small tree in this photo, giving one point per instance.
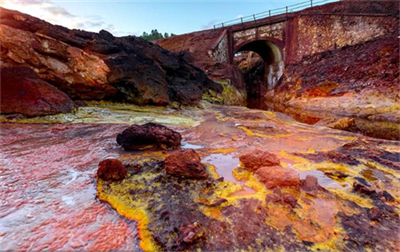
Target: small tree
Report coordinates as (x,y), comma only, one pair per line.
(155,35)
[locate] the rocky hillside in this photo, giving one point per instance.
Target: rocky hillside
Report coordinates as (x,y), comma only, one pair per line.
(96,66)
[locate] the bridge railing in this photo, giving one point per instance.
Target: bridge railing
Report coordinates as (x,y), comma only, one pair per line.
(273,12)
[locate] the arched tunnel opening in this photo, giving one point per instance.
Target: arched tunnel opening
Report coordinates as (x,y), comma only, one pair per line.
(261,64)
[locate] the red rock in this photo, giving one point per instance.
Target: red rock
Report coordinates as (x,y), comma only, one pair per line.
(189,233)
(374,213)
(276,177)
(253,161)
(22,91)
(362,188)
(310,184)
(185,163)
(149,136)
(345,123)
(353,83)
(278,197)
(87,65)
(111,169)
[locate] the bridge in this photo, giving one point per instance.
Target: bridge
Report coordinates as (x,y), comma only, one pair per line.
(287,37)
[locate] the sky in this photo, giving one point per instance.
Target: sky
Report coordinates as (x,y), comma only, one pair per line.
(133,17)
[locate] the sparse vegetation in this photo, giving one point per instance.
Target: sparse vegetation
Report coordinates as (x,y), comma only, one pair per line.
(155,35)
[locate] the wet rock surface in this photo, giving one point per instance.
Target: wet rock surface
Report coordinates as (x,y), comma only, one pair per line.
(185,163)
(98,66)
(257,159)
(149,136)
(230,209)
(111,169)
(23,92)
(357,94)
(310,184)
(276,177)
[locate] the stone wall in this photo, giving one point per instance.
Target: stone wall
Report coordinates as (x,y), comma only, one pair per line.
(220,52)
(313,34)
(276,31)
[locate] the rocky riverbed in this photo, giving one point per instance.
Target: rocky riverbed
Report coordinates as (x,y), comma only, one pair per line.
(175,172)
(346,197)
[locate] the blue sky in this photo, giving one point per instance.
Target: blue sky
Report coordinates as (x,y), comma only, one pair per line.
(132,17)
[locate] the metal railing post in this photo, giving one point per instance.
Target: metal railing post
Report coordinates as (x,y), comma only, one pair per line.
(275,12)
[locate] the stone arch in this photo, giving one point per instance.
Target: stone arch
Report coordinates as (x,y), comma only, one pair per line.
(264,76)
(270,49)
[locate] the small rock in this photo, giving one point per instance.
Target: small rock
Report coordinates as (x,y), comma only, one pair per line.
(106,35)
(386,196)
(289,199)
(111,169)
(76,244)
(374,213)
(310,184)
(149,136)
(272,198)
(278,197)
(362,181)
(185,163)
(345,123)
(362,189)
(336,174)
(257,159)
(276,177)
(190,233)
(217,202)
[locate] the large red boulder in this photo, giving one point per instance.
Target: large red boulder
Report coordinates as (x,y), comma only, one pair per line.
(185,163)
(111,169)
(149,136)
(254,160)
(22,91)
(276,177)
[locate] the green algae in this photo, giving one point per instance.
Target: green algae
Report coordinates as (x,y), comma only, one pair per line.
(229,96)
(107,112)
(225,218)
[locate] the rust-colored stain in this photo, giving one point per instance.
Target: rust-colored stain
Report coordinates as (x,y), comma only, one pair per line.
(49,193)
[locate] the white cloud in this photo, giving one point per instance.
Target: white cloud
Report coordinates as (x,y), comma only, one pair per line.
(239,16)
(209,25)
(53,13)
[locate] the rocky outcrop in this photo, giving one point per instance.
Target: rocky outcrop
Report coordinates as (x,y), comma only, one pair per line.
(363,86)
(266,166)
(88,65)
(257,159)
(185,163)
(23,92)
(111,169)
(276,177)
(149,136)
(196,48)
